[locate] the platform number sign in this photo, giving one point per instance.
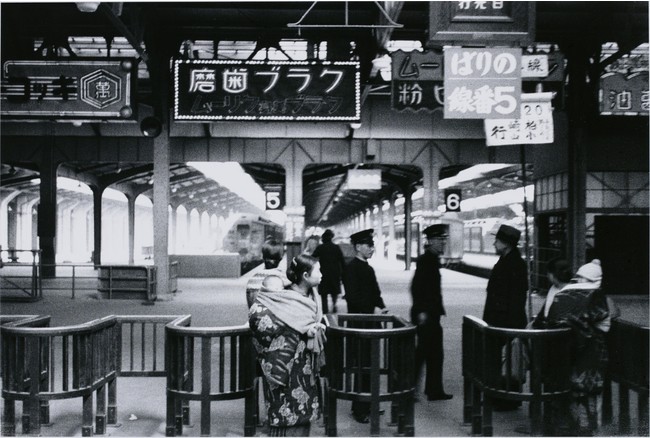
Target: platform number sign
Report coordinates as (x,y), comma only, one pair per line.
(452,199)
(274,196)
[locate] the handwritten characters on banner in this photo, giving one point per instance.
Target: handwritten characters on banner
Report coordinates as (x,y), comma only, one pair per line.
(535,126)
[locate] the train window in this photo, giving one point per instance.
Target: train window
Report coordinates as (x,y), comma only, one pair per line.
(243,230)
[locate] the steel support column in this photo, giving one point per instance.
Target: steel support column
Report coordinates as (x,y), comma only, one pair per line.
(160,211)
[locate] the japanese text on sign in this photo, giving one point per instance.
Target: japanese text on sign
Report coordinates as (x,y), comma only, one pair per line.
(417,80)
(624,94)
(482,83)
(68,88)
(534,127)
(474,5)
(256,90)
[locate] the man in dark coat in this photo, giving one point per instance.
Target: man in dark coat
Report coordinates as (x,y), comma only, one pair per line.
(331,261)
(505,305)
(427,309)
(361,288)
(363,295)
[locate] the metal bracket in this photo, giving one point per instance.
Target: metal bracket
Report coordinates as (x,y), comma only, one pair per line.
(391,24)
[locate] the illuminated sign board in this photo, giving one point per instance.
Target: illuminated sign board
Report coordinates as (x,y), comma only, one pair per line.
(73,89)
(266,90)
(364,179)
(482,83)
(481,22)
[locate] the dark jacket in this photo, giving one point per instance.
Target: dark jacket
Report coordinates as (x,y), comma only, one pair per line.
(331,266)
(505,305)
(425,287)
(361,288)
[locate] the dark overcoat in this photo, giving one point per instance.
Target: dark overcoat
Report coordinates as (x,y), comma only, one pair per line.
(331,261)
(505,305)
(361,288)
(425,287)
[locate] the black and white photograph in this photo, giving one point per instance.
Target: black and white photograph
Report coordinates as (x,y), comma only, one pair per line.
(324,218)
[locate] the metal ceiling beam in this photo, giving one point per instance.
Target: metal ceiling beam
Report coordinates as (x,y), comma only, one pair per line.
(122,28)
(346,22)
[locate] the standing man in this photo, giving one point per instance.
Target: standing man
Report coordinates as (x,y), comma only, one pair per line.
(361,288)
(505,305)
(427,309)
(363,296)
(331,261)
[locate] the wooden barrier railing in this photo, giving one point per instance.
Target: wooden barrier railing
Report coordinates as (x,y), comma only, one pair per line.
(493,368)
(371,358)
(128,281)
(74,361)
(206,365)
(25,321)
(47,363)
(628,367)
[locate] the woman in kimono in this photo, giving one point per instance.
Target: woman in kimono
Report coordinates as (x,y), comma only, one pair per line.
(289,339)
(582,306)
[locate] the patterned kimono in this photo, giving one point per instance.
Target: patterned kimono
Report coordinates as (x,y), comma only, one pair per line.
(291,390)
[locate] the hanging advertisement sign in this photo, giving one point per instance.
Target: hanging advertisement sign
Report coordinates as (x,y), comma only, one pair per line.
(266,90)
(535,126)
(364,179)
(416,80)
(481,22)
(73,89)
(482,83)
(624,95)
(417,77)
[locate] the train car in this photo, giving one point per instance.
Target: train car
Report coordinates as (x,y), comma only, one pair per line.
(478,236)
(246,235)
(479,233)
(453,250)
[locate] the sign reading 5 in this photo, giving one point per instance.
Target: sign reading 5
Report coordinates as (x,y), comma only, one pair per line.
(274,197)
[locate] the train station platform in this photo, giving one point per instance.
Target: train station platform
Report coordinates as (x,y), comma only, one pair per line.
(222,302)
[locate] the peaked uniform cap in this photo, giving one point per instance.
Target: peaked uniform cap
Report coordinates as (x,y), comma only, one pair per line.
(508,234)
(436,230)
(364,236)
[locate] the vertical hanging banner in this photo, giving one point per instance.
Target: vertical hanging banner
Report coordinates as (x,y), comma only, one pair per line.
(482,83)
(535,126)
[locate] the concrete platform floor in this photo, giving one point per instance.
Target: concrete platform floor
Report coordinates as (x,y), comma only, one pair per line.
(141,401)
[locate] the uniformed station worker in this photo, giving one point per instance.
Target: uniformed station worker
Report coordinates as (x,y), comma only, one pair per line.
(427,309)
(362,291)
(363,295)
